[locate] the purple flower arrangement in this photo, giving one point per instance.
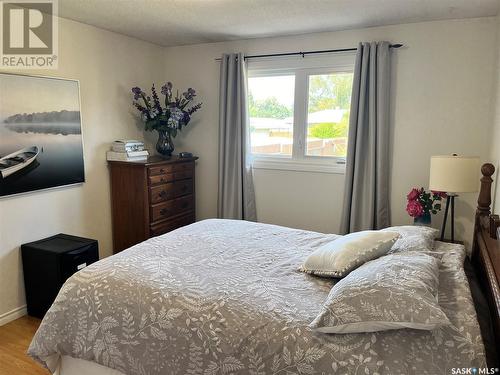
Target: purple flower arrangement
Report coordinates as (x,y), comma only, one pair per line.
(169,118)
(422,203)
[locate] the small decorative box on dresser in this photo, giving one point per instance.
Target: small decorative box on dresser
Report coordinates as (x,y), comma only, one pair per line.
(150,197)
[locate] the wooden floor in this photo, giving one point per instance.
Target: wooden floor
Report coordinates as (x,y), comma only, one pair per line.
(15,338)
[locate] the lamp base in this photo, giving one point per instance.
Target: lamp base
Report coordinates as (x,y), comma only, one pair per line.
(450,201)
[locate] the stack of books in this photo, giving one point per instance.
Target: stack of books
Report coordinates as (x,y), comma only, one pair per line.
(127,150)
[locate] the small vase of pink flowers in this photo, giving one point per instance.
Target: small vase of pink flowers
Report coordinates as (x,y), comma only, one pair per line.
(421,204)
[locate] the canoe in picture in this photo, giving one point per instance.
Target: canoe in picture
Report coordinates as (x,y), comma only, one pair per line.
(18,160)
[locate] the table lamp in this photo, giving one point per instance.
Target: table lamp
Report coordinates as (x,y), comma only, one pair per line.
(453,174)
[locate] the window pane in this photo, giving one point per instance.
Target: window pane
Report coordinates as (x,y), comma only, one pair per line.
(328,114)
(270,104)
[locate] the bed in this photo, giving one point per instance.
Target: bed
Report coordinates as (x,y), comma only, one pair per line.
(226,297)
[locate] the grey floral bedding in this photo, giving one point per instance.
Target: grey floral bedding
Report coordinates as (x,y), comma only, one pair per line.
(226,297)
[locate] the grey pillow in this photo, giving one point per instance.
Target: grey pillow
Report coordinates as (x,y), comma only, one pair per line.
(413,238)
(392,292)
(339,257)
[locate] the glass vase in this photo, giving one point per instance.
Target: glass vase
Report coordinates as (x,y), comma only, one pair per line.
(425,219)
(164,146)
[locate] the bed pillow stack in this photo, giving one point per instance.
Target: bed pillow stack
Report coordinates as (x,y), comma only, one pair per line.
(390,281)
(392,292)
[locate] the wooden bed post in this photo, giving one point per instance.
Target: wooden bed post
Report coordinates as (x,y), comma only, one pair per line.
(484,199)
(485,257)
(483,209)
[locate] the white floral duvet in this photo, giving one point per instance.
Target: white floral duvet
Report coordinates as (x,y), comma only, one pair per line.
(226,297)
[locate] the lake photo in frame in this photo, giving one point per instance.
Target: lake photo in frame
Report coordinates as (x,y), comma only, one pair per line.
(41,143)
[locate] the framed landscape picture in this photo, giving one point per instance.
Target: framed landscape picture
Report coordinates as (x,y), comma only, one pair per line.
(40,133)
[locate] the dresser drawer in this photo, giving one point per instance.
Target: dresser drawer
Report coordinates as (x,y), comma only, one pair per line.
(169,225)
(184,167)
(173,207)
(169,177)
(161,178)
(183,175)
(171,190)
(171,168)
(162,169)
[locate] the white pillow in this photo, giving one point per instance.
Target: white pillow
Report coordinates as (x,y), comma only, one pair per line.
(413,238)
(339,257)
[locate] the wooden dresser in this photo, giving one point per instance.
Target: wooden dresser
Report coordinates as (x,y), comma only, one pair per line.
(150,198)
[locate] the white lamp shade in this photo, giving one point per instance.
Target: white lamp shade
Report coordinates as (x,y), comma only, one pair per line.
(454,174)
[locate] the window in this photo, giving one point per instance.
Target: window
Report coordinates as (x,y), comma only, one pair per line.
(270,104)
(299,113)
(329,101)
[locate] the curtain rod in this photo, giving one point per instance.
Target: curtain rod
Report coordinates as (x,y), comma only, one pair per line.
(303,54)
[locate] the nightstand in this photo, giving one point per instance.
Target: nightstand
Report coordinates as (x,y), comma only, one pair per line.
(48,263)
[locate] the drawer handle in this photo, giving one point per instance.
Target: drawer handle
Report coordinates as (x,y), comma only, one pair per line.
(163,211)
(163,194)
(162,170)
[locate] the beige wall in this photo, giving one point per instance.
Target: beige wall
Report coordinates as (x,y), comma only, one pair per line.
(441,103)
(442,88)
(107,65)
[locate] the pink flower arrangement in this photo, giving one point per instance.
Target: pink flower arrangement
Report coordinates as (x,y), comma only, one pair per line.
(414,208)
(413,194)
(422,203)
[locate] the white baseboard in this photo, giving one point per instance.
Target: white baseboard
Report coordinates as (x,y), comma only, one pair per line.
(11,315)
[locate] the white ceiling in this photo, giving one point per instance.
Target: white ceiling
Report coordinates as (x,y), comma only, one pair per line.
(179,22)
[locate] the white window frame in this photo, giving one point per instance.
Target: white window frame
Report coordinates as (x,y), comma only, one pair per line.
(302,68)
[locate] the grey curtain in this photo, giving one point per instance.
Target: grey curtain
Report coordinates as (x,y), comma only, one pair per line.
(366,199)
(236,197)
